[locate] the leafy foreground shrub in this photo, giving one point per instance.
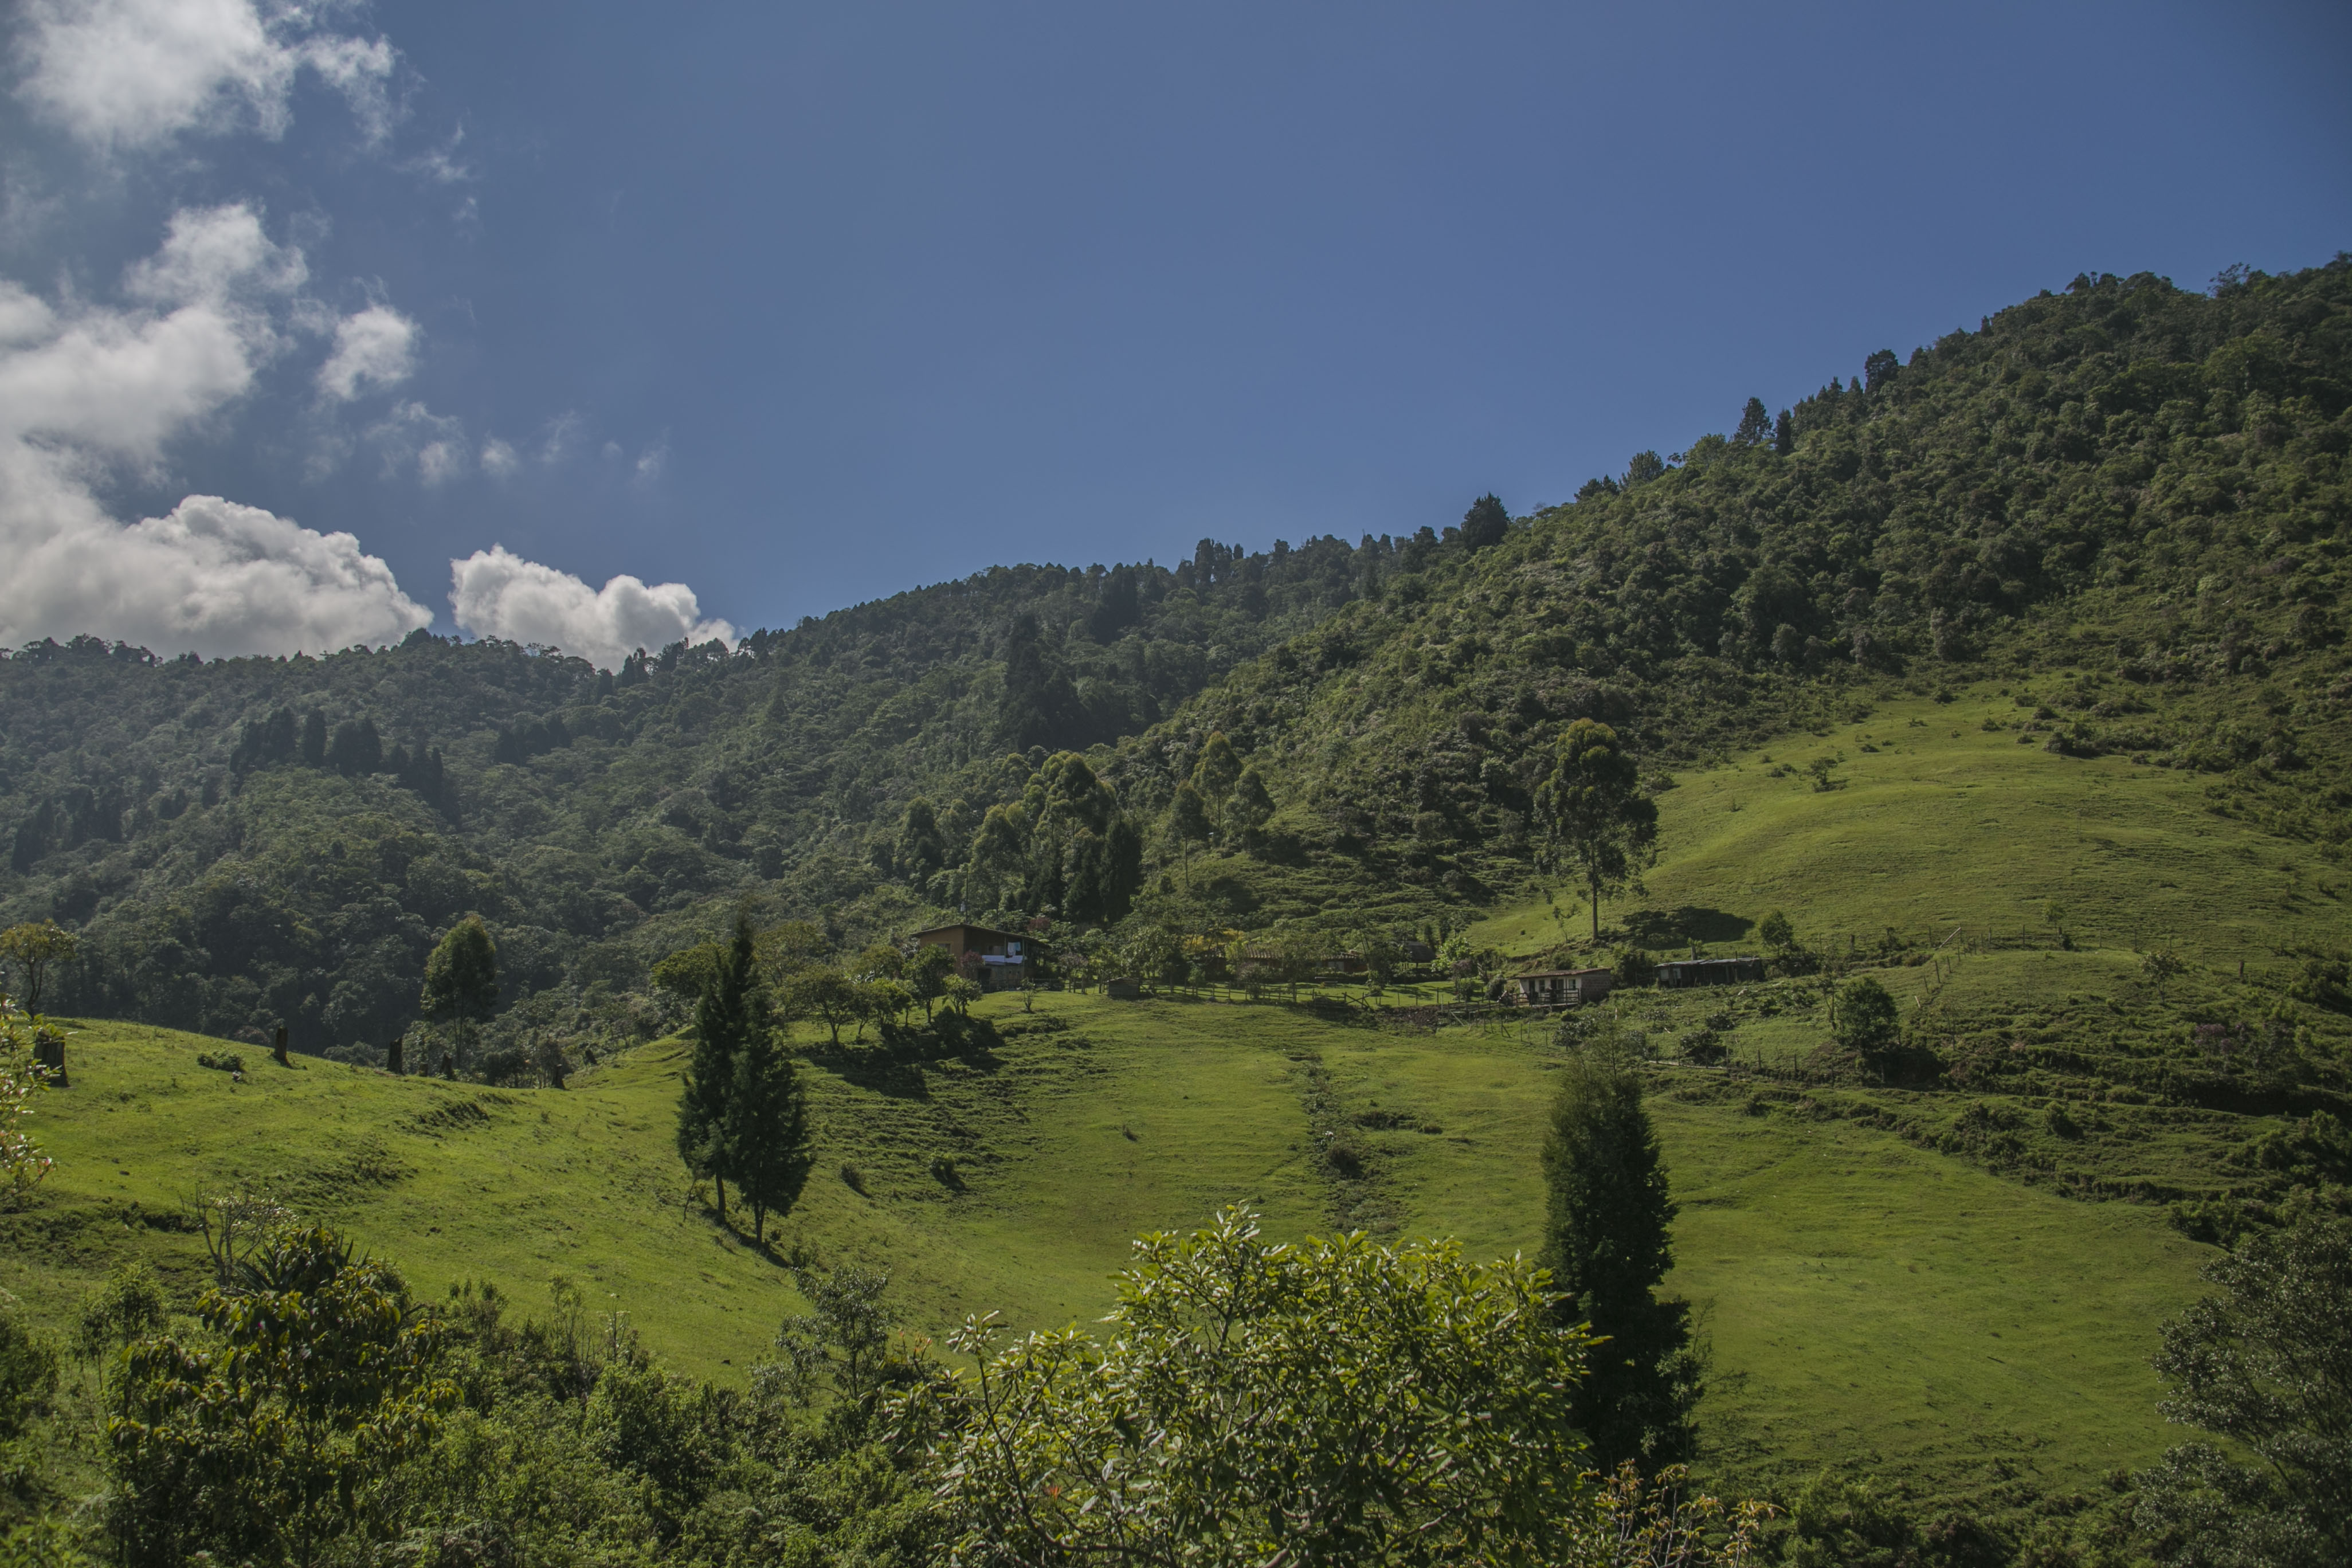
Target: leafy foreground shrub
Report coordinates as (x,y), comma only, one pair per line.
(1338,1401)
(2267,1364)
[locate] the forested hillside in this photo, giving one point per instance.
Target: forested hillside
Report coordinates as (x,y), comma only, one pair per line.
(255,841)
(2131,495)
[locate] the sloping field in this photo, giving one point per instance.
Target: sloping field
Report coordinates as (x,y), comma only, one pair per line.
(1943,822)
(1867,1301)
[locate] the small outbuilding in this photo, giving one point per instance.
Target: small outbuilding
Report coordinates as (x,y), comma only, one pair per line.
(1125,988)
(1562,987)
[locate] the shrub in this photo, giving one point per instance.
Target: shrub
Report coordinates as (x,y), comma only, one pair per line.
(1633,967)
(28,1373)
(1204,1424)
(1868,1021)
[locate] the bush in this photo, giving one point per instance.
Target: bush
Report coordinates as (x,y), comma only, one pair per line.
(1704,1046)
(1633,967)
(1868,1022)
(226,1061)
(1204,1422)
(129,1307)
(509,1069)
(28,1373)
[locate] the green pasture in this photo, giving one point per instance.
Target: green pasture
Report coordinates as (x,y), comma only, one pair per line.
(1937,824)
(1867,1301)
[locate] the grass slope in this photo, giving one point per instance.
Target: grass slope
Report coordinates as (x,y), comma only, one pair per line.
(1867,1300)
(1947,821)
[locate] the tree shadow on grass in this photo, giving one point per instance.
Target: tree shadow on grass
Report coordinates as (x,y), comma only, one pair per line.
(893,1064)
(1684,924)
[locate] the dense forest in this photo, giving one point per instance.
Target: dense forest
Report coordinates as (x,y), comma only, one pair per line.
(2136,487)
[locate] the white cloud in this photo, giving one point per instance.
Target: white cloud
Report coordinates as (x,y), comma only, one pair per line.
(495,592)
(653,461)
(414,436)
(86,388)
(125,75)
(374,349)
(438,462)
(500,459)
(210,575)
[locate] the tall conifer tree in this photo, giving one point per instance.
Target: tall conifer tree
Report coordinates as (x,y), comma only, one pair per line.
(766,1121)
(733,1006)
(1607,1243)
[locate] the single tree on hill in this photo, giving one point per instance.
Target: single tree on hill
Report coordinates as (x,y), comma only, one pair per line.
(1592,805)
(730,1012)
(766,1117)
(32,950)
(461,978)
(1755,425)
(824,993)
(928,973)
(1607,1244)
(1867,1019)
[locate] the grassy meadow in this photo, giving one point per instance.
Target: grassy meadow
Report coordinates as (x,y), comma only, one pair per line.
(1939,823)
(1867,1300)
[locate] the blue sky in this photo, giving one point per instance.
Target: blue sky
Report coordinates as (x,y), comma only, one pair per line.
(798,306)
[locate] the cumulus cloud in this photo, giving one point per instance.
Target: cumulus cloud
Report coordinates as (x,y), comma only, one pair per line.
(130,75)
(495,592)
(374,349)
(500,459)
(85,388)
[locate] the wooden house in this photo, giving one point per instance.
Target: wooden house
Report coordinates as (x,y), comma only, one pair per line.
(1562,987)
(997,959)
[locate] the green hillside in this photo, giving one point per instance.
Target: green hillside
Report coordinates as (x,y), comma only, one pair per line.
(2014,675)
(1868,1302)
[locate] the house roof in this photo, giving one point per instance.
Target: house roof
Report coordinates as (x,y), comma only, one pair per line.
(1556,973)
(976,930)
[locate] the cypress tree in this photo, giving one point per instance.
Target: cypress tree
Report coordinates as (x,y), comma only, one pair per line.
(1607,1244)
(766,1122)
(730,1009)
